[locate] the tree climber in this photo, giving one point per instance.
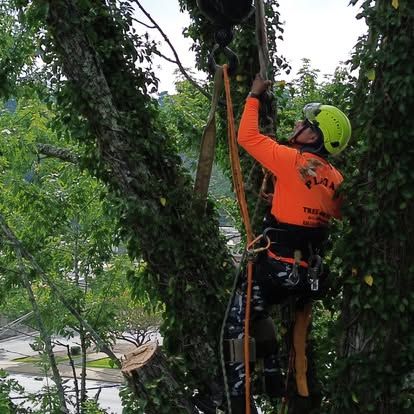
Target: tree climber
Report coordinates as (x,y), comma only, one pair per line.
(297,226)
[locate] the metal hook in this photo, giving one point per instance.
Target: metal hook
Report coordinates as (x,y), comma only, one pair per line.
(233,60)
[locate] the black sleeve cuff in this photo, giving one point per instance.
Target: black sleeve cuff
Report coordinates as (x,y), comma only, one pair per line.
(253,95)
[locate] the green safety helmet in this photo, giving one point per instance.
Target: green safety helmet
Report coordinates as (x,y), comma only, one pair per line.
(332,122)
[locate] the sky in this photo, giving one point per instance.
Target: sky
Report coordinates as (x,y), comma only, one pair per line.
(325,31)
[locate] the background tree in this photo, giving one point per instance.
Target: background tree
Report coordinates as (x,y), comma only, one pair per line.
(61,214)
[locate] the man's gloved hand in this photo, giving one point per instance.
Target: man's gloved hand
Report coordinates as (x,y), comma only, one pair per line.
(259,85)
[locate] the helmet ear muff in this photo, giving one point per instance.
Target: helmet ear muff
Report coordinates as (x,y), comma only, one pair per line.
(333,124)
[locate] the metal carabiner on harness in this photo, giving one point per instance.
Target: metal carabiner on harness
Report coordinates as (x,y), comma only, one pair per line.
(253,252)
(294,277)
(314,270)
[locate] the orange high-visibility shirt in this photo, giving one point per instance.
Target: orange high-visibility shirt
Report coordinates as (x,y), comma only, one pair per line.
(305,183)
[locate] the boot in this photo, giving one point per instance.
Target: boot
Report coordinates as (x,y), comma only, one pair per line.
(300,405)
(274,384)
(238,405)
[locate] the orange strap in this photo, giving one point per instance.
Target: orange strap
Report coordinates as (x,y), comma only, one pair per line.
(290,260)
(241,198)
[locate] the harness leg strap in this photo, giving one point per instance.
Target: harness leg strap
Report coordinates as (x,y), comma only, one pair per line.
(300,330)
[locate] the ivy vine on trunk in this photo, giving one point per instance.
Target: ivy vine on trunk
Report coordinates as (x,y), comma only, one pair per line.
(377,343)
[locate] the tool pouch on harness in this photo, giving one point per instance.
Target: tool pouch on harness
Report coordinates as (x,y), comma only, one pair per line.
(233,350)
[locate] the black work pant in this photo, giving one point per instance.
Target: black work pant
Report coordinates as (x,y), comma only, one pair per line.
(270,286)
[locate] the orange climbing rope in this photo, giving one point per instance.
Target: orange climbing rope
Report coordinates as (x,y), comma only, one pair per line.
(241,198)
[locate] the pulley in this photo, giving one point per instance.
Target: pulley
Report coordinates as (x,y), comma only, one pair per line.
(224,13)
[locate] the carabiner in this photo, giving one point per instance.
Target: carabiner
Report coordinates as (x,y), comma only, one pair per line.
(314,271)
(233,60)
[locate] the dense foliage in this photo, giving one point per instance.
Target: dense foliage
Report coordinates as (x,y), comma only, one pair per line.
(376,337)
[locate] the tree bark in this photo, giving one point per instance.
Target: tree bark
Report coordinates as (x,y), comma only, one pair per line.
(55,152)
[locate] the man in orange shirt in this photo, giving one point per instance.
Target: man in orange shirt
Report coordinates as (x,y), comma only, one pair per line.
(297,225)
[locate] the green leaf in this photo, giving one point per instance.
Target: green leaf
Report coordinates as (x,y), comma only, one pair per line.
(369,280)
(371,74)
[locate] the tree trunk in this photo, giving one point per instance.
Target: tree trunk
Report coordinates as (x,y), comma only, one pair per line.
(75,380)
(46,340)
(376,345)
(187,260)
(84,348)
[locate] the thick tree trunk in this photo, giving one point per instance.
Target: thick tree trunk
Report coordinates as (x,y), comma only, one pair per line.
(183,249)
(376,346)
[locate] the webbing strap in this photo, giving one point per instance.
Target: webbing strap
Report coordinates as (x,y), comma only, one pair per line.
(241,198)
(208,141)
(300,331)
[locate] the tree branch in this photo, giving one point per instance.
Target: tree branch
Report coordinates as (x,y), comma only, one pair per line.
(55,152)
(165,57)
(177,59)
(144,24)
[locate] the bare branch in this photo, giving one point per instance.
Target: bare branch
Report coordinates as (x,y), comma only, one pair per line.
(177,59)
(165,57)
(144,24)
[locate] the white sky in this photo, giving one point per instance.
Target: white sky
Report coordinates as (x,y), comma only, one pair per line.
(325,31)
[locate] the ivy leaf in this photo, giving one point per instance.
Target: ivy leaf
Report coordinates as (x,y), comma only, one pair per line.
(369,280)
(395,4)
(371,74)
(354,398)
(163,201)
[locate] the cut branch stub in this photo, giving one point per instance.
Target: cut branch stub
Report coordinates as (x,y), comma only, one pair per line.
(147,371)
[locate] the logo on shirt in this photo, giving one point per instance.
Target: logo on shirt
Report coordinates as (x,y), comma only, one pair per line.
(311,178)
(320,181)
